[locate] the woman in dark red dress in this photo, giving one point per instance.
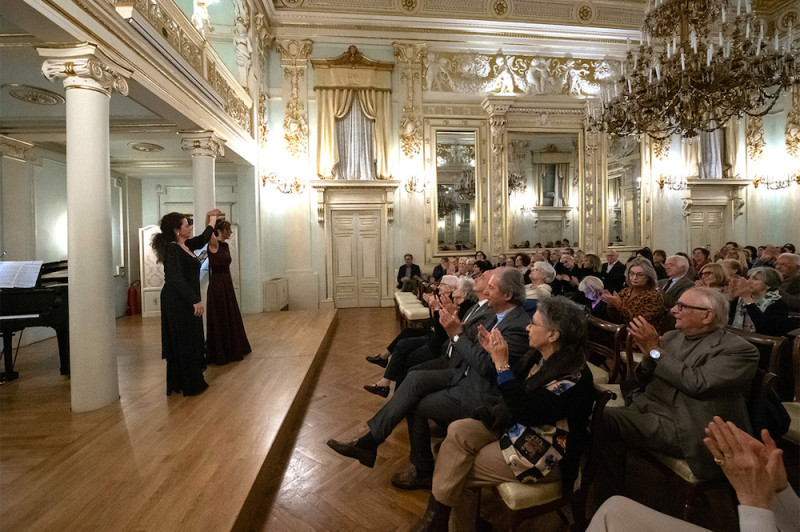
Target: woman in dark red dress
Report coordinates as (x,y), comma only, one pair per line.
(226,340)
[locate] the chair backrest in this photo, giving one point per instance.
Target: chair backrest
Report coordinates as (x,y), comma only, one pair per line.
(604,345)
(768,346)
(796,368)
(589,468)
(794,320)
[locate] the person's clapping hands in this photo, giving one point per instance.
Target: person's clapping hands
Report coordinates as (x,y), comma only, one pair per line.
(754,469)
(612,300)
(644,333)
(494,344)
(448,318)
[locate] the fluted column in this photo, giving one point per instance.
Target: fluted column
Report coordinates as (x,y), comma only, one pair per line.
(204,147)
(89,77)
(498,173)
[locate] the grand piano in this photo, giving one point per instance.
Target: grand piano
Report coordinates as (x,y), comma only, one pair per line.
(44,305)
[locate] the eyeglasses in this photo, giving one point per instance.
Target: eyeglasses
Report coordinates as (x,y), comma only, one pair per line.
(706,274)
(680,306)
(637,274)
(190,222)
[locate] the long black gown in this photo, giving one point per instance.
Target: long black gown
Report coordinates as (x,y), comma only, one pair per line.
(226,340)
(182,339)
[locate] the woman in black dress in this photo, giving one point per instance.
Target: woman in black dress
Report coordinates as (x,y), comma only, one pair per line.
(182,340)
(226,340)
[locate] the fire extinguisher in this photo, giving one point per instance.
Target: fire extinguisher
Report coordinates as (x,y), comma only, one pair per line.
(134,299)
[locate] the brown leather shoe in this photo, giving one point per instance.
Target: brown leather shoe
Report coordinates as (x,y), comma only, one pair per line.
(411,479)
(351,450)
(383,391)
(436,518)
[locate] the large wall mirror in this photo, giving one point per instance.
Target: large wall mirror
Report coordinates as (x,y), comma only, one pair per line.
(456,190)
(543,188)
(623,192)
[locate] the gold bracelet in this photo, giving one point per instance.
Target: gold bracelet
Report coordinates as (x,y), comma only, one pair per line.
(503,367)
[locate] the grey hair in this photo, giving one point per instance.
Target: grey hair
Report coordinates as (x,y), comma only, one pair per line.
(467,285)
(510,282)
(590,282)
(566,317)
(683,262)
(770,276)
(647,268)
(791,256)
(547,268)
(716,302)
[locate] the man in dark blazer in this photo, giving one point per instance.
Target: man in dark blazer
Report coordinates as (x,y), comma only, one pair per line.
(445,395)
(408,273)
(677,281)
(612,272)
(788,265)
(686,377)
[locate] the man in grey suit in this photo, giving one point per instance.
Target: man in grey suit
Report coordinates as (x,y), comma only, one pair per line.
(686,377)
(445,395)
(677,282)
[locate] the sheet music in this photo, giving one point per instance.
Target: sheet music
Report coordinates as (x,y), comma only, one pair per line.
(19,274)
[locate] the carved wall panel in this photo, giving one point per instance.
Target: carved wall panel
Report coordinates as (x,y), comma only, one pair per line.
(294,55)
(509,74)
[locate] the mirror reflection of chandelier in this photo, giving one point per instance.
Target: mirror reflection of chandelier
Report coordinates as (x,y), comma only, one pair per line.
(700,63)
(465,185)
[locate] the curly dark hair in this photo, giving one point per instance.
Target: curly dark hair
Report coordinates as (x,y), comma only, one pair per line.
(168,224)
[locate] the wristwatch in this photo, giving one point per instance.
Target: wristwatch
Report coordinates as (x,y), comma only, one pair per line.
(655,354)
(455,338)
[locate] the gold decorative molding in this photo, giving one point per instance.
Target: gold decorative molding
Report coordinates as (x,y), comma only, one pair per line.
(352,58)
(167,20)
(294,57)
(410,57)
(793,125)
(755,138)
(84,66)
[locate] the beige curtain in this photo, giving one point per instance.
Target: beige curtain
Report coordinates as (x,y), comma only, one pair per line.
(562,183)
(335,104)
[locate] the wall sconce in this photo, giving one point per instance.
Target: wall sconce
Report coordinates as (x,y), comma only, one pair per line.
(773,182)
(672,181)
(283,184)
(414,184)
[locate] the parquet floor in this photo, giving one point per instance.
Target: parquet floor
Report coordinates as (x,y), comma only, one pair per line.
(322,491)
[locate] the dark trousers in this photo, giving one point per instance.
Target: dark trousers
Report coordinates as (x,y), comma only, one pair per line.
(408,353)
(411,332)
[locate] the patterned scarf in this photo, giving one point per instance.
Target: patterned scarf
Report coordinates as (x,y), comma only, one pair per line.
(741,320)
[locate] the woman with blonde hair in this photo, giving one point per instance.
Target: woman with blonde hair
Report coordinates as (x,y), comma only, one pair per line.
(713,276)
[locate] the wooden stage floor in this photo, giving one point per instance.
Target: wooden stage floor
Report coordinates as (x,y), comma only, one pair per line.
(149,461)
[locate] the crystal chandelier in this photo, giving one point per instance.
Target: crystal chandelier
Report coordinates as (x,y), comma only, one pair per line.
(699,63)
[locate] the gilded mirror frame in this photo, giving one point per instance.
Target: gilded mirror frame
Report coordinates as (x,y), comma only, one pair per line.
(617,169)
(576,187)
(433,126)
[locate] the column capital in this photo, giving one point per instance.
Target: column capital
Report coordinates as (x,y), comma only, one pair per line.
(293,50)
(84,66)
(410,53)
(202,143)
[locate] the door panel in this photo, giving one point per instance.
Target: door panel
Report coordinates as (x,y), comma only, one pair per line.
(356,258)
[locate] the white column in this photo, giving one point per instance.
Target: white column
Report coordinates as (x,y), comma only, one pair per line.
(204,146)
(89,77)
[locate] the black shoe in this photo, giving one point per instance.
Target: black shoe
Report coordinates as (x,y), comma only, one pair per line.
(383,391)
(379,360)
(351,450)
(411,479)
(435,519)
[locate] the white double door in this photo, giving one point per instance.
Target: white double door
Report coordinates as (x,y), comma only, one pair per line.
(356,246)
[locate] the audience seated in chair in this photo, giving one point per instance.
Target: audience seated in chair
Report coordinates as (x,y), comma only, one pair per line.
(754,469)
(546,397)
(410,352)
(640,298)
(445,395)
(685,377)
(677,281)
(408,274)
(756,303)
